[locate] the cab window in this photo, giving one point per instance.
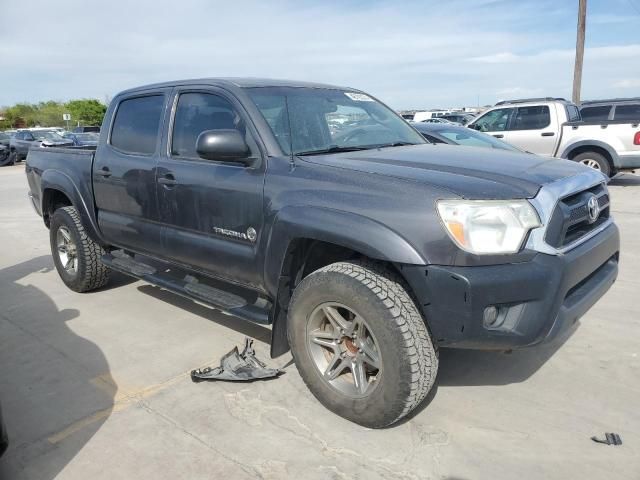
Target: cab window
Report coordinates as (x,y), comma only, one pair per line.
(198,112)
(531,118)
(494,121)
(136,125)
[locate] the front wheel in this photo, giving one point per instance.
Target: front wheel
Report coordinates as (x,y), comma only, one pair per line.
(75,255)
(360,344)
(594,160)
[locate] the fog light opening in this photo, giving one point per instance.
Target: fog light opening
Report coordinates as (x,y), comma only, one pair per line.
(492,317)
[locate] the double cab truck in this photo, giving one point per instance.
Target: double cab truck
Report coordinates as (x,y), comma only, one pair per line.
(554,127)
(366,248)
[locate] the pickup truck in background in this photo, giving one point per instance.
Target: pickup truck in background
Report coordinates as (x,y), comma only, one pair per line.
(554,127)
(365,247)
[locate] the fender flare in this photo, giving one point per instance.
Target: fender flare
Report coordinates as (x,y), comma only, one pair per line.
(60,181)
(592,143)
(339,227)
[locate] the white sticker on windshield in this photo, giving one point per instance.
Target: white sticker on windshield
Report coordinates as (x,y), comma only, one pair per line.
(358,97)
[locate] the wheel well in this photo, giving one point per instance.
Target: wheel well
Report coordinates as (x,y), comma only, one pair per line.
(303,257)
(591,148)
(51,201)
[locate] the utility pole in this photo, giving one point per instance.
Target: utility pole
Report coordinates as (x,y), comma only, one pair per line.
(577,69)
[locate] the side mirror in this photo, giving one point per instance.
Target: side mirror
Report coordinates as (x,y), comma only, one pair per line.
(224,145)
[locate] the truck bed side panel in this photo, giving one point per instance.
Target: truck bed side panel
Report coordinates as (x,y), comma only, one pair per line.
(67,171)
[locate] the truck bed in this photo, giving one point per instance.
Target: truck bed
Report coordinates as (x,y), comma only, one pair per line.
(73,163)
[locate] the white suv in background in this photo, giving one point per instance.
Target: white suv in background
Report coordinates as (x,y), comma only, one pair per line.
(554,127)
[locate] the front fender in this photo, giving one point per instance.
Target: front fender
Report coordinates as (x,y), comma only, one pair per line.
(345,229)
(592,143)
(79,195)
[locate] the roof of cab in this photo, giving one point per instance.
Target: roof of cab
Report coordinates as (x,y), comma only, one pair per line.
(236,82)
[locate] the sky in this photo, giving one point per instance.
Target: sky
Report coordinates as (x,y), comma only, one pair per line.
(410,54)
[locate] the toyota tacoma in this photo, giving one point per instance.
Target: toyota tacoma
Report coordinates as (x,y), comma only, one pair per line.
(319,211)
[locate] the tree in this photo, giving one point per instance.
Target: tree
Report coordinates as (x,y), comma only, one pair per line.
(87,111)
(49,114)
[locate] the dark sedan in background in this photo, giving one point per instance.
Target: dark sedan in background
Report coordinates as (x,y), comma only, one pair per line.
(23,140)
(5,150)
(457,135)
(4,438)
(82,139)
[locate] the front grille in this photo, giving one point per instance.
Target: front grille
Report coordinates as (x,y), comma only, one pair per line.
(570,220)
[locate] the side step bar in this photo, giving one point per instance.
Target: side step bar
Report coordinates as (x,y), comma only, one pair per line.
(190,288)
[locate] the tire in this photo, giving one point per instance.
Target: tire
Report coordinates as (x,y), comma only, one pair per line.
(594,160)
(407,361)
(8,160)
(81,269)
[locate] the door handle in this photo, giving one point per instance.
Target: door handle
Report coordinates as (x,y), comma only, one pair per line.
(547,134)
(168,180)
(499,135)
(104,172)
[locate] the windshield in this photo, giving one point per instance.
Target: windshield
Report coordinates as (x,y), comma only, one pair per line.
(47,135)
(472,138)
(319,120)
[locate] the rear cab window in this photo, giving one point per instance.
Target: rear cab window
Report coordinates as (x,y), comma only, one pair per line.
(573,114)
(136,124)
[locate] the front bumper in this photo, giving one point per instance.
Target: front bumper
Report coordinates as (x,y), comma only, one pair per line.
(537,299)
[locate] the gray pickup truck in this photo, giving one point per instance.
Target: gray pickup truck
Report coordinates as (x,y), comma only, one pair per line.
(319,211)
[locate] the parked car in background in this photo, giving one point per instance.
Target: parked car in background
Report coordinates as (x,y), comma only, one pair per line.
(554,127)
(85,129)
(421,116)
(365,249)
(460,118)
(621,109)
(89,139)
(6,158)
(5,139)
(4,438)
(451,134)
(436,120)
(23,140)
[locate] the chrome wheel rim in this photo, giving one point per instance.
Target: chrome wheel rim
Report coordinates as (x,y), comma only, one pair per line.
(344,350)
(67,251)
(591,163)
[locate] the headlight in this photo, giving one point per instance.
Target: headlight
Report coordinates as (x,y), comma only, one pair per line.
(488,226)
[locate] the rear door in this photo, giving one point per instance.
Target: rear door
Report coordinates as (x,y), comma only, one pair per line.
(212,211)
(124,173)
(534,128)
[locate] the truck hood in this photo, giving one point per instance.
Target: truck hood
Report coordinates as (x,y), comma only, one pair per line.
(468,172)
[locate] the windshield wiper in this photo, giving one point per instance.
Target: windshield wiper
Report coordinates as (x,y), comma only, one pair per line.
(333,149)
(396,144)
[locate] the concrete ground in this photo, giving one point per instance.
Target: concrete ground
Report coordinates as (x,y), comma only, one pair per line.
(96,386)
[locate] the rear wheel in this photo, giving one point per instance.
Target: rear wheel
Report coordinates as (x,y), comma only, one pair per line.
(75,255)
(360,344)
(594,160)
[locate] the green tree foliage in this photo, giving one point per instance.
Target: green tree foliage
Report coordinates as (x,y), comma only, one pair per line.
(49,114)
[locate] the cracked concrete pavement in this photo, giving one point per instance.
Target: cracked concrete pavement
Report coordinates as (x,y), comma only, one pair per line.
(96,386)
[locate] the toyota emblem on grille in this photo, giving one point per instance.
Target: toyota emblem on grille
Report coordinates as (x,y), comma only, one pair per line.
(593,208)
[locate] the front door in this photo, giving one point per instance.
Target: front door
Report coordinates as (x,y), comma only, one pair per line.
(212,211)
(494,122)
(124,173)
